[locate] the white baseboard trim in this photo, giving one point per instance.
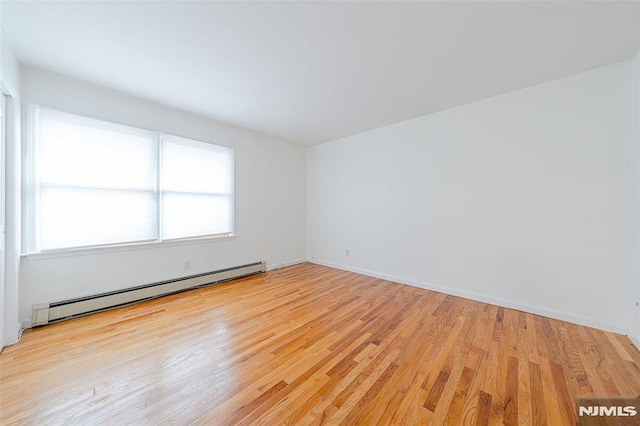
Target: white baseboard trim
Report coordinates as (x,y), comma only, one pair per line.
(562,316)
(271,267)
(15,338)
(18,335)
(635,340)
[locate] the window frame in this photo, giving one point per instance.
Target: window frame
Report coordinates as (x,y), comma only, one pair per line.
(30,199)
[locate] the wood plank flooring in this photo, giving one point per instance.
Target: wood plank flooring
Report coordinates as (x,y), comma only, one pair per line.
(314,345)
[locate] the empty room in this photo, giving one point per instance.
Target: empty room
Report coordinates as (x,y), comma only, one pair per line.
(331,212)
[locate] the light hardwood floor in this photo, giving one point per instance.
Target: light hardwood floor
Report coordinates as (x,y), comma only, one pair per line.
(313,345)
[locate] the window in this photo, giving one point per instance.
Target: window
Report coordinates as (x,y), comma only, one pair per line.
(95,183)
(196,181)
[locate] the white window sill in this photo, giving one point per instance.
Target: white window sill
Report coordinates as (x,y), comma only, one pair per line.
(84,251)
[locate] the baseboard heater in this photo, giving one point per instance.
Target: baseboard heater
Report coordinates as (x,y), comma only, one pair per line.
(46,313)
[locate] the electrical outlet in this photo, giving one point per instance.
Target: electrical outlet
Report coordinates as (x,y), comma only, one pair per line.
(348,252)
(187,264)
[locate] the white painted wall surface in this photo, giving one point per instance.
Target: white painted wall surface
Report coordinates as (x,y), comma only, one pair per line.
(10,85)
(8,62)
(269,199)
(521,200)
(634,316)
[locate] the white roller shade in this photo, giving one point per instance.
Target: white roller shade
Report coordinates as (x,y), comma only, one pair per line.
(196,188)
(95,182)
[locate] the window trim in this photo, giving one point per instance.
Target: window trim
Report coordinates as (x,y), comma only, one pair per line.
(29,198)
(120,248)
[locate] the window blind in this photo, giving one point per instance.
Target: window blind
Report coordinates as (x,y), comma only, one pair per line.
(97,183)
(197,188)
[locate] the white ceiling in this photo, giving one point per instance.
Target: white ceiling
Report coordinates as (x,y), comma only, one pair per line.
(310,72)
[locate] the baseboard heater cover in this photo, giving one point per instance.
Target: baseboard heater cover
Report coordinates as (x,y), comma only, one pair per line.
(46,313)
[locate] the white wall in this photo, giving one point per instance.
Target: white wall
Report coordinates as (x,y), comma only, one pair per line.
(8,62)
(634,317)
(269,190)
(10,86)
(521,200)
